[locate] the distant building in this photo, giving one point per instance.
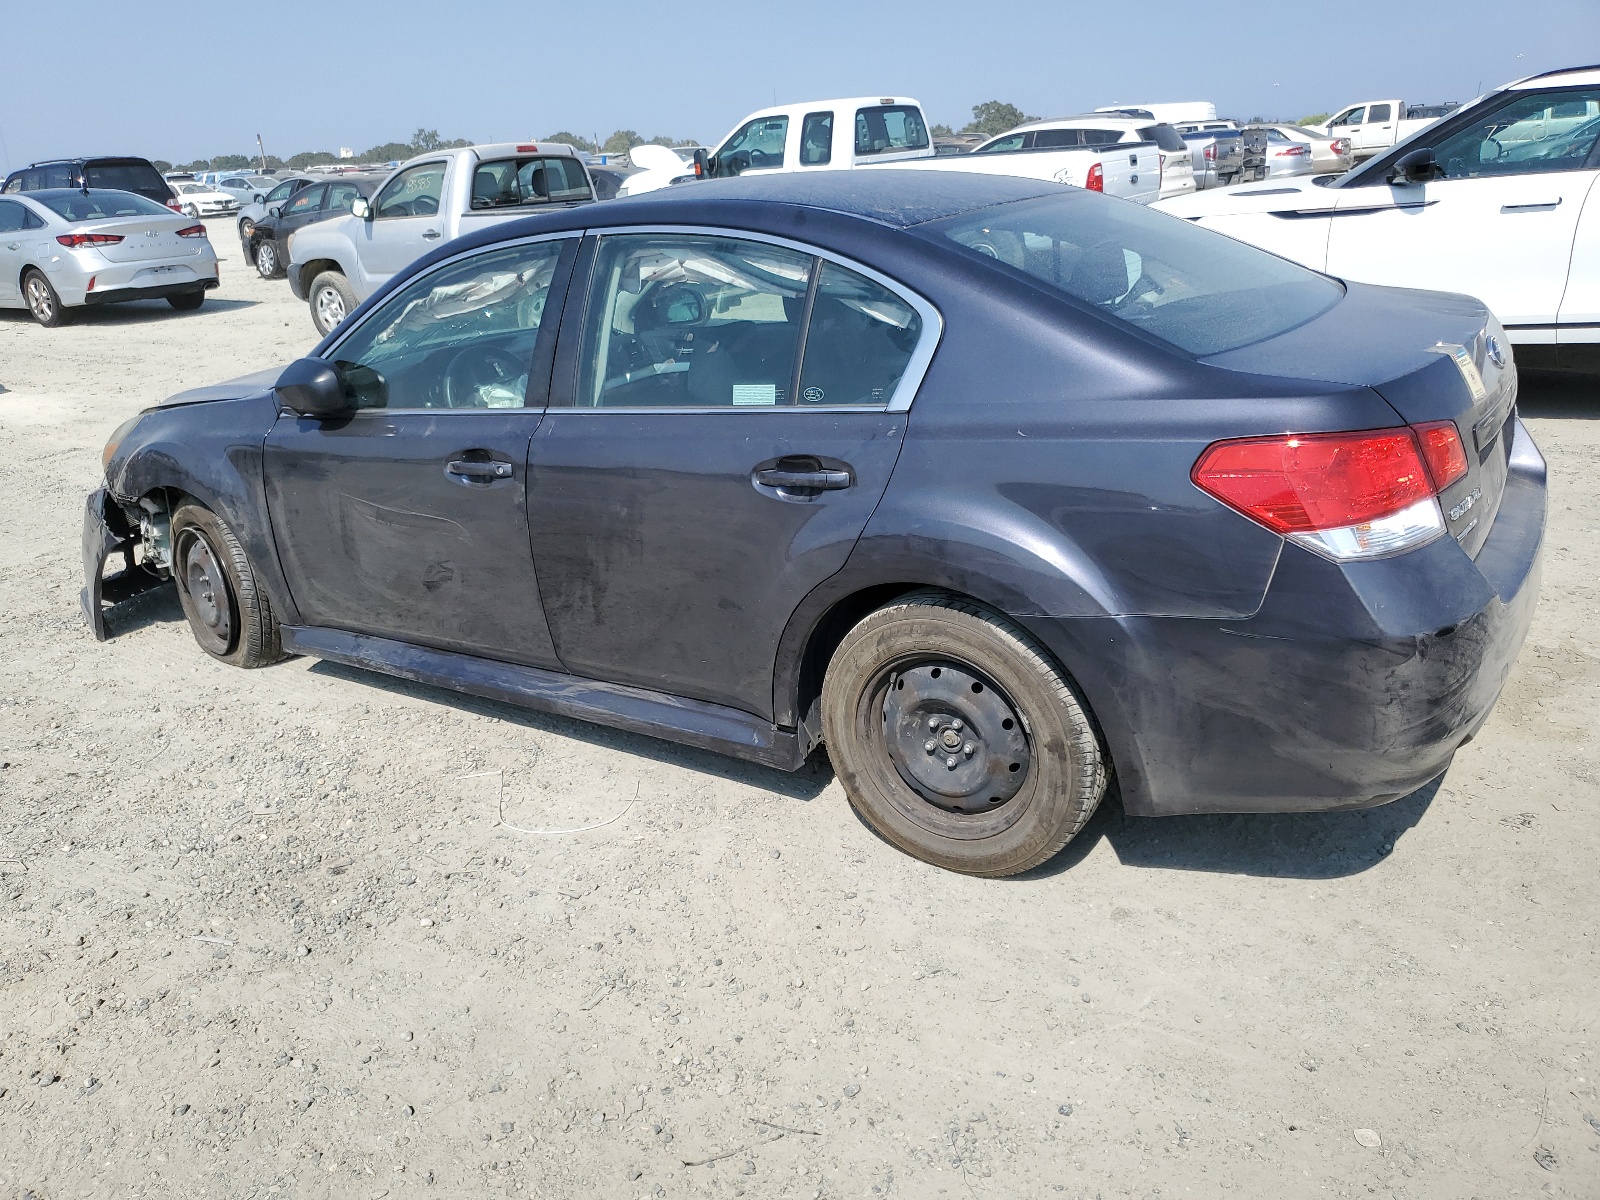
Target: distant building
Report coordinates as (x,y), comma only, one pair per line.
(346,152)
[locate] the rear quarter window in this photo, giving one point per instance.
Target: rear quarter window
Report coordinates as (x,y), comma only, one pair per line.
(1194,289)
(889,128)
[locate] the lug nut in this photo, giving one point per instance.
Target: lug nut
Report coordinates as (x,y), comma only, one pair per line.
(933,724)
(957,726)
(930,745)
(968,749)
(951,761)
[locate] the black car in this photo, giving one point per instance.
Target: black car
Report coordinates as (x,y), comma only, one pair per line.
(998,488)
(118,173)
(268,243)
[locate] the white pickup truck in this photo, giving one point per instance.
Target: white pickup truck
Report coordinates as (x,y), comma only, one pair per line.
(430,200)
(1375,125)
(889,131)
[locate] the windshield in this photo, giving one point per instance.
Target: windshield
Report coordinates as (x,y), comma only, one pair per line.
(100,205)
(1198,290)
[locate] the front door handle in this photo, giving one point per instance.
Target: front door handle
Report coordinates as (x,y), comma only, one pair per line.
(479,470)
(1542,206)
(819,480)
(430,234)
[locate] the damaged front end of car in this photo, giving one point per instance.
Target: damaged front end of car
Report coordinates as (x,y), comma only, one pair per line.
(142,542)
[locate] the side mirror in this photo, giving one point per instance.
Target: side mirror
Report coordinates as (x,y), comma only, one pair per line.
(702,164)
(1417,166)
(274,211)
(315,388)
(360,208)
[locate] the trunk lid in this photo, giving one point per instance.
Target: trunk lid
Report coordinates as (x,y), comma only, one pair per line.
(1432,357)
(143,238)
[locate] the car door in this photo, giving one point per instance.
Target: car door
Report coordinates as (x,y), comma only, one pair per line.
(723,421)
(1578,323)
(14,221)
(756,147)
(1350,124)
(1377,133)
(1497,222)
(405,221)
(408,520)
(305,208)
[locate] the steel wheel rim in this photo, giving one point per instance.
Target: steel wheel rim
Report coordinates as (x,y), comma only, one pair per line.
(330,306)
(206,585)
(39,301)
(952,735)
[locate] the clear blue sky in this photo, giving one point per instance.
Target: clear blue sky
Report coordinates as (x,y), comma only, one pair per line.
(180,82)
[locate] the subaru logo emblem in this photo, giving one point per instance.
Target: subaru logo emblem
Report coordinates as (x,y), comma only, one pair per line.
(1496,351)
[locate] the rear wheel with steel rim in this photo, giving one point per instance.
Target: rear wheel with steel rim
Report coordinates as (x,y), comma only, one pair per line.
(957,737)
(267,260)
(42,300)
(332,300)
(230,616)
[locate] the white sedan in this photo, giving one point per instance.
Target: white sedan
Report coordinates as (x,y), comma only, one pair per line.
(203,200)
(1498,200)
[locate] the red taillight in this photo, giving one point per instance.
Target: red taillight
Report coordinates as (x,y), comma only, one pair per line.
(1211,152)
(1097,179)
(1346,496)
(1443,452)
(1294,152)
(174,206)
(192,231)
(73,240)
(528,149)
(1340,146)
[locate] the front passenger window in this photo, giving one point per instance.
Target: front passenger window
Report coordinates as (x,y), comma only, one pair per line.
(756,147)
(415,192)
(462,336)
(1519,138)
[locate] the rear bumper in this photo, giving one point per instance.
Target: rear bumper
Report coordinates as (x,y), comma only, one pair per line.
(1352,686)
(107,533)
(159,292)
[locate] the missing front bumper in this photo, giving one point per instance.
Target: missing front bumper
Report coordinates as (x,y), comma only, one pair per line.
(107,532)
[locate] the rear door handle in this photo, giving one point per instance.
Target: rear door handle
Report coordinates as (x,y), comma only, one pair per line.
(1542,206)
(430,234)
(821,480)
(479,470)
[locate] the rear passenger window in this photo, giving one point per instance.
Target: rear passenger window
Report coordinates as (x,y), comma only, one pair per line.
(341,196)
(860,338)
(698,321)
(890,128)
(816,139)
(1379,112)
(508,182)
(1012,141)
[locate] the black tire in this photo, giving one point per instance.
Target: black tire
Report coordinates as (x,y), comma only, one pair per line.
(247,230)
(191,210)
(268,265)
(230,616)
(42,301)
(332,299)
(1015,789)
(187,301)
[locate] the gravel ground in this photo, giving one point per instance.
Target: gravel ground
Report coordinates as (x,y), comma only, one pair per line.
(310,932)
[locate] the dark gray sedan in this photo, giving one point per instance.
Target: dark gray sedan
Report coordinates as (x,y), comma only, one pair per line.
(1000,490)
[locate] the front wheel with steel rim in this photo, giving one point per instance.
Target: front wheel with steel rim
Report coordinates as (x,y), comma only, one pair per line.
(267,260)
(958,739)
(230,616)
(42,301)
(332,300)
(191,210)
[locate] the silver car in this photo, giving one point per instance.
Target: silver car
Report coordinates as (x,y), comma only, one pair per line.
(252,212)
(62,249)
(246,188)
(1329,155)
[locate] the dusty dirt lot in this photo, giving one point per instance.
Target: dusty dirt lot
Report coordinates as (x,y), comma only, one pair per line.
(266,934)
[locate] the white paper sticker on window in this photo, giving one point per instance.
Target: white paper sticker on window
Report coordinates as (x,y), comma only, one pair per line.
(755,393)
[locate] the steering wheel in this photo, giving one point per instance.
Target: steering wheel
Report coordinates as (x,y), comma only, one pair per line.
(475,368)
(758,158)
(425,206)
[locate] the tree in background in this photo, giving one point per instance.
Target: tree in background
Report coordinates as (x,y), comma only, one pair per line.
(307,158)
(1314,119)
(942,131)
(621,142)
(994,117)
(162,165)
(573,140)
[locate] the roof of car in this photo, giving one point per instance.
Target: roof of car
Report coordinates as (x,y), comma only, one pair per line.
(897,198)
